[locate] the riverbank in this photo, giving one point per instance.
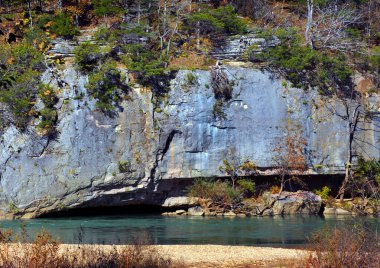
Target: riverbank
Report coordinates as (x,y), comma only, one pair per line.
(210,255)
(230,256)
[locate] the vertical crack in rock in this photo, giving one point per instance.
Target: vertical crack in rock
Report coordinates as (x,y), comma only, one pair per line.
(160,155)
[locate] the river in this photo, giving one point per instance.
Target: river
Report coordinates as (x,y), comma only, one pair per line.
(123,229)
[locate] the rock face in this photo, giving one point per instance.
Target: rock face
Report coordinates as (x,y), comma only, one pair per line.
(287,203)
(234,47)
(195,211)
(180,201)
(336,211)
(165,146)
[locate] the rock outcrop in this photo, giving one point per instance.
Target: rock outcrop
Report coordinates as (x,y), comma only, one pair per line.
(164,145)
(292,203)
(235,46)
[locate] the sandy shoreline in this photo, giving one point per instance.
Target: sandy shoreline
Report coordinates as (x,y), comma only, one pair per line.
(217,255)
(228,255)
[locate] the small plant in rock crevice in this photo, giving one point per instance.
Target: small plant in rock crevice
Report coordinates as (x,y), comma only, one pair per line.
(124,166)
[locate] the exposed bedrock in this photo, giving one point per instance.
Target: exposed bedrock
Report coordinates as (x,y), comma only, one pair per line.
(164,146)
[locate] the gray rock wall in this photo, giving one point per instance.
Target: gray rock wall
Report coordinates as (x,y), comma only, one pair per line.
(180,140)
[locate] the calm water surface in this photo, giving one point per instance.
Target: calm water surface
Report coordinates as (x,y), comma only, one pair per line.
(122,229)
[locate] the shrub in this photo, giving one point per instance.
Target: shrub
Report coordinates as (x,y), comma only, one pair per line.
(191,79)
(369,169)
(275,189)
(104,34)
(25,65)
(49,115)
(218,191)
(124,166)
(218,111)
(148,67)
(107,86)
(374,59)
(324,193)
(220,20)
(60,24)
(303,66)
(87,56)
(350,245)
(247,186)
(46,251)
(105,8)
(147,64)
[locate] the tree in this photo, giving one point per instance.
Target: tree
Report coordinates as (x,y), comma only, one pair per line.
(105,8)
(309,23)
(366,181)
(354,113)
(330,29)
(236,168)
(374,60)
(289,155)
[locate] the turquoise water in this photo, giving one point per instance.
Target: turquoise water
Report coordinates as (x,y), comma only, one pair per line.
(122,229)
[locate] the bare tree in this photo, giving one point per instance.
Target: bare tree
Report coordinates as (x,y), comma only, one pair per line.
(329,28)
(309,23)
(355,112)
(29,4)
(289,155)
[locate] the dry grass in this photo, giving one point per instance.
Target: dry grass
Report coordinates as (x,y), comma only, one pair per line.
(190,61)
(44,251)
(350,246)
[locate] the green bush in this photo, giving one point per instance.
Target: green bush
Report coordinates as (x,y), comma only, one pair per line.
(218,110)
(124,166)
(368,169)
(191,79)
(49,115)
(247,186)
(374,59)
(220,20)
(218,191)
(26,69)
(107,85)
(303,66)
(105,8)
(324,193)
(87,56)
(61,24)
(148,66)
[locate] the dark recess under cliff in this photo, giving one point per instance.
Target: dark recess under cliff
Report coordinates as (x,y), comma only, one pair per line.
(312,182)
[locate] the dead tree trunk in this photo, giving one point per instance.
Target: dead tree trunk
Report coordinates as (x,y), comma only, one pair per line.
(310,11)
(352,123)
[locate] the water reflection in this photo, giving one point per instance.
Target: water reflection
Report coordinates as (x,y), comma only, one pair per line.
(270,231)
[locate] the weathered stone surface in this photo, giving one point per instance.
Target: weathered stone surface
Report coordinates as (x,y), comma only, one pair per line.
(335,211)
(180,212)
(166,146)
(180,201)
(235,46)
(195,211)
(300,202)
(229,214)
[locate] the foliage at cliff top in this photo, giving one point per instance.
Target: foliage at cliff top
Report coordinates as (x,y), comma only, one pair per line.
(24,63)
(321,44)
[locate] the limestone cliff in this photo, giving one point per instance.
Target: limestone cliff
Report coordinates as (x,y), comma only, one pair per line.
(180,139)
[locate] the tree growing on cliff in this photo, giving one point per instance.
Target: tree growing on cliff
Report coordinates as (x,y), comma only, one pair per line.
(355,112)
(289,155)
(236,168)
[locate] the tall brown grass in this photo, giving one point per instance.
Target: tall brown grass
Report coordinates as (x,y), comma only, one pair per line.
(350,246)
(45,251)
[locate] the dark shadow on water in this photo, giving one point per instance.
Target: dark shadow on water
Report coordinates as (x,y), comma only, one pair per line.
(103,211)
